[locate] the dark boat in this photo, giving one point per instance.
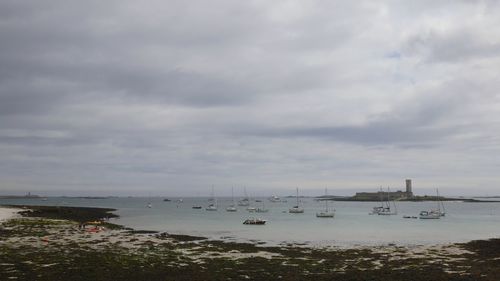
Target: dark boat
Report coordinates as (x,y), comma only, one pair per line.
(196,207)
(166,200)
(254,221)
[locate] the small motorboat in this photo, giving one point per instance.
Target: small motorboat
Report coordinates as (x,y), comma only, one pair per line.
(196,207)
(274,199)
(254,221)
(166,200)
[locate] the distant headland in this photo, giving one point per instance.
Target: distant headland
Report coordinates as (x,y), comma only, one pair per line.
(26,196)
(399,195)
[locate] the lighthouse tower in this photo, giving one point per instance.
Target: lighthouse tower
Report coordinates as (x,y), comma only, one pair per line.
(409,193)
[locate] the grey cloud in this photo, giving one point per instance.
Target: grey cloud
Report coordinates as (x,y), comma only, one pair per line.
(41,141)
(401,133)
(452,47)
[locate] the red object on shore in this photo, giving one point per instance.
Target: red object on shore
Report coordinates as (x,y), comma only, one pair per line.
(93,229)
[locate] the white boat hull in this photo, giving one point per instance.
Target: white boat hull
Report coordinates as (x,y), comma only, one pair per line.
(211,208)
(424,215)
(296,210)
(325,215)
(429,217)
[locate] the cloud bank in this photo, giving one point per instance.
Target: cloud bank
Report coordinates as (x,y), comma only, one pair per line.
(170,97)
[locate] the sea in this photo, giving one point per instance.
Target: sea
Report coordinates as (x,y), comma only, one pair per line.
(352,225)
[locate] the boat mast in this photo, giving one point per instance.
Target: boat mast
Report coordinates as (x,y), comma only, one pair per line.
(440,203)
(388,200)
(437,201)
(326,200)
(232,194)
(381,192)
(213,196)
(395,208)
(297,197)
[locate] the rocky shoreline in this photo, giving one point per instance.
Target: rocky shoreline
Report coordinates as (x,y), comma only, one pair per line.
(48,243)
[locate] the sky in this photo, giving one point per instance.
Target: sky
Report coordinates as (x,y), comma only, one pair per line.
(171,97)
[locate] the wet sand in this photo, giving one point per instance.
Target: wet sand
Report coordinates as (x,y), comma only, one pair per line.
(7,213)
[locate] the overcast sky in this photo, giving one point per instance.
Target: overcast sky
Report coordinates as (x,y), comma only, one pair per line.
(170,97)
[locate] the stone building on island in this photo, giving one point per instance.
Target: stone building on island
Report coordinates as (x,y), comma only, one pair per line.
(393,195)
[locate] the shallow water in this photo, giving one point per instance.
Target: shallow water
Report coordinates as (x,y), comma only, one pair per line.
(351,226)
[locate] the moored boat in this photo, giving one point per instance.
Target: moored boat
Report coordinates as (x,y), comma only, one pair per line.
(255,221)
(274,199)
(326,213)
(232,207)
(429,215)
(245,201)
(212,206)
(440,206)
(297,209)
(385,208)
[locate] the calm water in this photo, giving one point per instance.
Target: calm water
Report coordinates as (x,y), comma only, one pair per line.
(351,226)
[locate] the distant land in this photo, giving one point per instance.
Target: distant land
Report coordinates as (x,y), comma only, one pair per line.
(412,199)
(26,196)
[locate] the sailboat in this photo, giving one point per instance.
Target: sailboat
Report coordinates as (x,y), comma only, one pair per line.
(436,213)
(231,207)
(386,210)
(326,213)
(378,209)
(213,205)
(245,201)
(441,212)
(150,205)
(385,206)
(428,215)
(296,209)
